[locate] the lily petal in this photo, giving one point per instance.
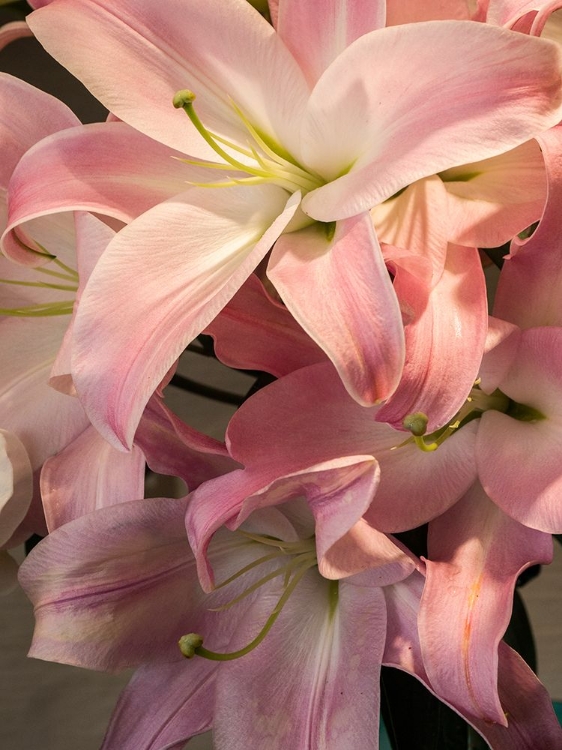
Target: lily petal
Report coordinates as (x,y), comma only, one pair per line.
(476,554)
(317,31)
(330,655)
(383,138)
(180,696)
(135,58)
(340,292)
(179,263)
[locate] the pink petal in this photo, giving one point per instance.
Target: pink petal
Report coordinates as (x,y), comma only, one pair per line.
(338,493)
(417,221)
(19,129)
(93,168)
(317,31)
(44,420)
(411,11)
(522,695)
(16,484)
(319,687)
(347,305)
(89,474)
(176,281)
(172,447)
(502,343)
(180,696)
(255,333)
(501,197)
(533,267)
(134,59)
(444,345)
(476,554)
(365,550)
(441,478)
(386,137)
(519,461)
(10,32)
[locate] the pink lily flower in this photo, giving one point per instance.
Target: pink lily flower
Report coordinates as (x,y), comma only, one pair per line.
(36,320)
(324,639)
(343,160)
(304,433)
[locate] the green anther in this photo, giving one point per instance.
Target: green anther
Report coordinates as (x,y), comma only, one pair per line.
(183,99)
(416,423)
(189,644)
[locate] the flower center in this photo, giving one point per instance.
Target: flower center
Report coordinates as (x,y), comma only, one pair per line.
(302,554)
(263,162)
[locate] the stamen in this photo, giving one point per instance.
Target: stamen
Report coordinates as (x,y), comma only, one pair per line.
(192,643)
(46,309)
(272,165)
(284,570)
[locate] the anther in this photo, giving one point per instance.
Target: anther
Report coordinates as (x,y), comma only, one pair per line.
(183,98)
(416,423)
(189,644)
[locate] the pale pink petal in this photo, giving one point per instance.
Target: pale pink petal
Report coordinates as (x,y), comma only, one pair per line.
(514,13)
(317,31)
(108,168)
(340,292)
(444,345)
(16,484)
(330,655)
(307,417)
(417,221)
(89,474)
(493,200)
(519,462)
(255,333)
(364,550)
(174,448)
(532,722)
(412,11)
(118,588)
(502,342)
(135,58)
(533,270)
(19,129)
(44,420)
(179,263)
(181,698)
(338,493)
(91,238)
(476,552)
(441,478)
(384,137)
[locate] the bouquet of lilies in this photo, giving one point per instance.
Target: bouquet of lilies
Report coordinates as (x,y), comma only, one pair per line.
(318,186)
